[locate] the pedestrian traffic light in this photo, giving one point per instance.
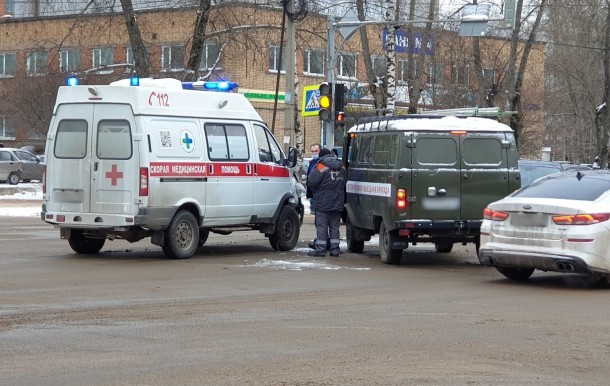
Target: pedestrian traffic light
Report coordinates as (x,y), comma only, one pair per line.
(325,101)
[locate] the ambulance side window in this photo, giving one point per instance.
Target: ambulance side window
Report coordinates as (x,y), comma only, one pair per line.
(227,142)
(71,139)
(268,148)
(114,139)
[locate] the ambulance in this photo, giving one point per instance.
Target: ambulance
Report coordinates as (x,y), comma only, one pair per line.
(168,160)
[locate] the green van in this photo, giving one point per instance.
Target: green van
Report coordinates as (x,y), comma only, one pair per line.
(425,178)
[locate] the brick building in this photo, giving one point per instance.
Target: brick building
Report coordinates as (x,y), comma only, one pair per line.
(37,54)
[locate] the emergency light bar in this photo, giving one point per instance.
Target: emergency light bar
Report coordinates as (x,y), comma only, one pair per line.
(72,80)
(134,80)
(210,86)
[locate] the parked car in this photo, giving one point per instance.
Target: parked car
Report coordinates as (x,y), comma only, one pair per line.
(19,165)
(531,170)
(558,223)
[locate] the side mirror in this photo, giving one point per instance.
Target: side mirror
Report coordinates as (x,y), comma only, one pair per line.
(292,157)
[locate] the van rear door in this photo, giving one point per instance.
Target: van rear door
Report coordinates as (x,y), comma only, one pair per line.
(94,167)
(435,176)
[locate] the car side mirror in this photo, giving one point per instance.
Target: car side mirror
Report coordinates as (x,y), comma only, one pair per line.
(292,157)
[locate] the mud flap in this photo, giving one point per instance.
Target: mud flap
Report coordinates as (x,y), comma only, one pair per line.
(158,238)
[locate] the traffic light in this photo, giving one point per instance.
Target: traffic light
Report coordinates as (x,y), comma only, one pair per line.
(339,104)
(326,101)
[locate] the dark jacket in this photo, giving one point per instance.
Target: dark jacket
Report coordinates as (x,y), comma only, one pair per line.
(327,182)
(310,167)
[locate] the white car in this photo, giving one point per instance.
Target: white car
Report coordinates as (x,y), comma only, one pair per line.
(559,223)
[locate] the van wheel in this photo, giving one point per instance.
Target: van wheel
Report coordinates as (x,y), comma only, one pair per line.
(286,233)
(83,244)
(203,236)
(388,255)
(182,236)
(517,274)
(13,178)
(444,247)
(354,246)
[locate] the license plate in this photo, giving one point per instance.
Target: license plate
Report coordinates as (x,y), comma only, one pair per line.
(528,220)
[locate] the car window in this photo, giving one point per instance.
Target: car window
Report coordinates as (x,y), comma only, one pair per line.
(25,156)
(5,156)
(531,172)
(577,185)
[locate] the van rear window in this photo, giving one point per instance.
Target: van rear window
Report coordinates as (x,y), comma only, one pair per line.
(114,139)
(71,139)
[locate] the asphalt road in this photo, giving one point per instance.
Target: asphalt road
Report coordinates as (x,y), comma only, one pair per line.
(238,313)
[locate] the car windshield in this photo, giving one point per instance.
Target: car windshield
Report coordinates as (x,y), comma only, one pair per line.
(576,185)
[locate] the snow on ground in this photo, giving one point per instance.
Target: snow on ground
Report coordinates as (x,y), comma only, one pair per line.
(22,200)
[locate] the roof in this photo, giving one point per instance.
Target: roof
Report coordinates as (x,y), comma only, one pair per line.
(431,123)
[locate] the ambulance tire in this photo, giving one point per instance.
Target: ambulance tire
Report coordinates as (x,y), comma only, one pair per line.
(286,233)
(182,236)
(203,236)
(83,244)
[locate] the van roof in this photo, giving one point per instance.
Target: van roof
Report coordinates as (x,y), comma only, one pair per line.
(431,123)
(164,97)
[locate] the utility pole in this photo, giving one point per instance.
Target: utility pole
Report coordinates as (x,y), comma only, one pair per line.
(289,103)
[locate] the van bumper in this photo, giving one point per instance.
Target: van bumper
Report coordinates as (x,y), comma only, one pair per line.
(447,228)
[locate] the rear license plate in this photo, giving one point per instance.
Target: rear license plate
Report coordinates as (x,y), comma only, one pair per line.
(528,220)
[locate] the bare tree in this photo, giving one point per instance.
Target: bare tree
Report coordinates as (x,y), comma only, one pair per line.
(140,56)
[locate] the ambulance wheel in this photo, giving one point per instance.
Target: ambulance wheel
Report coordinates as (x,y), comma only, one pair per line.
(286,233)
(13,178)
(182,236)
(203,236)
(388,255)
(83,244)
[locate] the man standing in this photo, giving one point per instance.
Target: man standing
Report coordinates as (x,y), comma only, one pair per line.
(327,183)
(315,152)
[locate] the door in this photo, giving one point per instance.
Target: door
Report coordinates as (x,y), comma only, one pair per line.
(8,164)
(271,177)
(94,165)
(436,176)
(484,172)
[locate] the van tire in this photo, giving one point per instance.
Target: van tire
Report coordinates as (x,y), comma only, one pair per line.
(353,245)
(388,255)
(182,236)
(286,233)
(444,246)
(84,245)
(13,178)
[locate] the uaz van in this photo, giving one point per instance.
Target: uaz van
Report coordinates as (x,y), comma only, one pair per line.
(425,178)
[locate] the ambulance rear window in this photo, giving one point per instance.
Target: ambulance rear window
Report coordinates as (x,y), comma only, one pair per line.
(71,139)
(114,139)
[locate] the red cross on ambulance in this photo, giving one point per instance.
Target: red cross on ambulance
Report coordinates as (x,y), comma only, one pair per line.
(114,174)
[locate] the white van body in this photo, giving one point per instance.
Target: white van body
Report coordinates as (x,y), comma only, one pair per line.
(167,162)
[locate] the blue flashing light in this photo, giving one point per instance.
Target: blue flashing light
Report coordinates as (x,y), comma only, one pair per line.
(72,81)
(222,86)
(134,80)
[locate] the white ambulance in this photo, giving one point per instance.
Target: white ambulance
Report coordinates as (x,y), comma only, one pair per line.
(168,160)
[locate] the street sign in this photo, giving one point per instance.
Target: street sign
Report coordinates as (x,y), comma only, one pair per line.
(311,101)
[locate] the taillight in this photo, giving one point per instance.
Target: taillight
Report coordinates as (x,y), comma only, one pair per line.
(581,219)
(401,199)
(44,179)
(494,215)
(143,182)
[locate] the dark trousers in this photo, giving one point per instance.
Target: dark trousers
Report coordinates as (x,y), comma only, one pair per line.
(327,227)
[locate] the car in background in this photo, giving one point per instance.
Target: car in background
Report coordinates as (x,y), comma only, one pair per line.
(559,223)
(531,170)
(19,165)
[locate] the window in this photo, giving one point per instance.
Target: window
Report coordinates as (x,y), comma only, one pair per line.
(114,139)
(489,75)
(402,66)
(268,148)
(313,62)
(8,64)
(71,139)
(274,54)
(347,65)
(37,63)
(209,56)
(69,60)
(380,68)
(9,7)
(436,72)
(6,131)
(226,142)
(102,57)
(172,58)
(459,75)
(129,56)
